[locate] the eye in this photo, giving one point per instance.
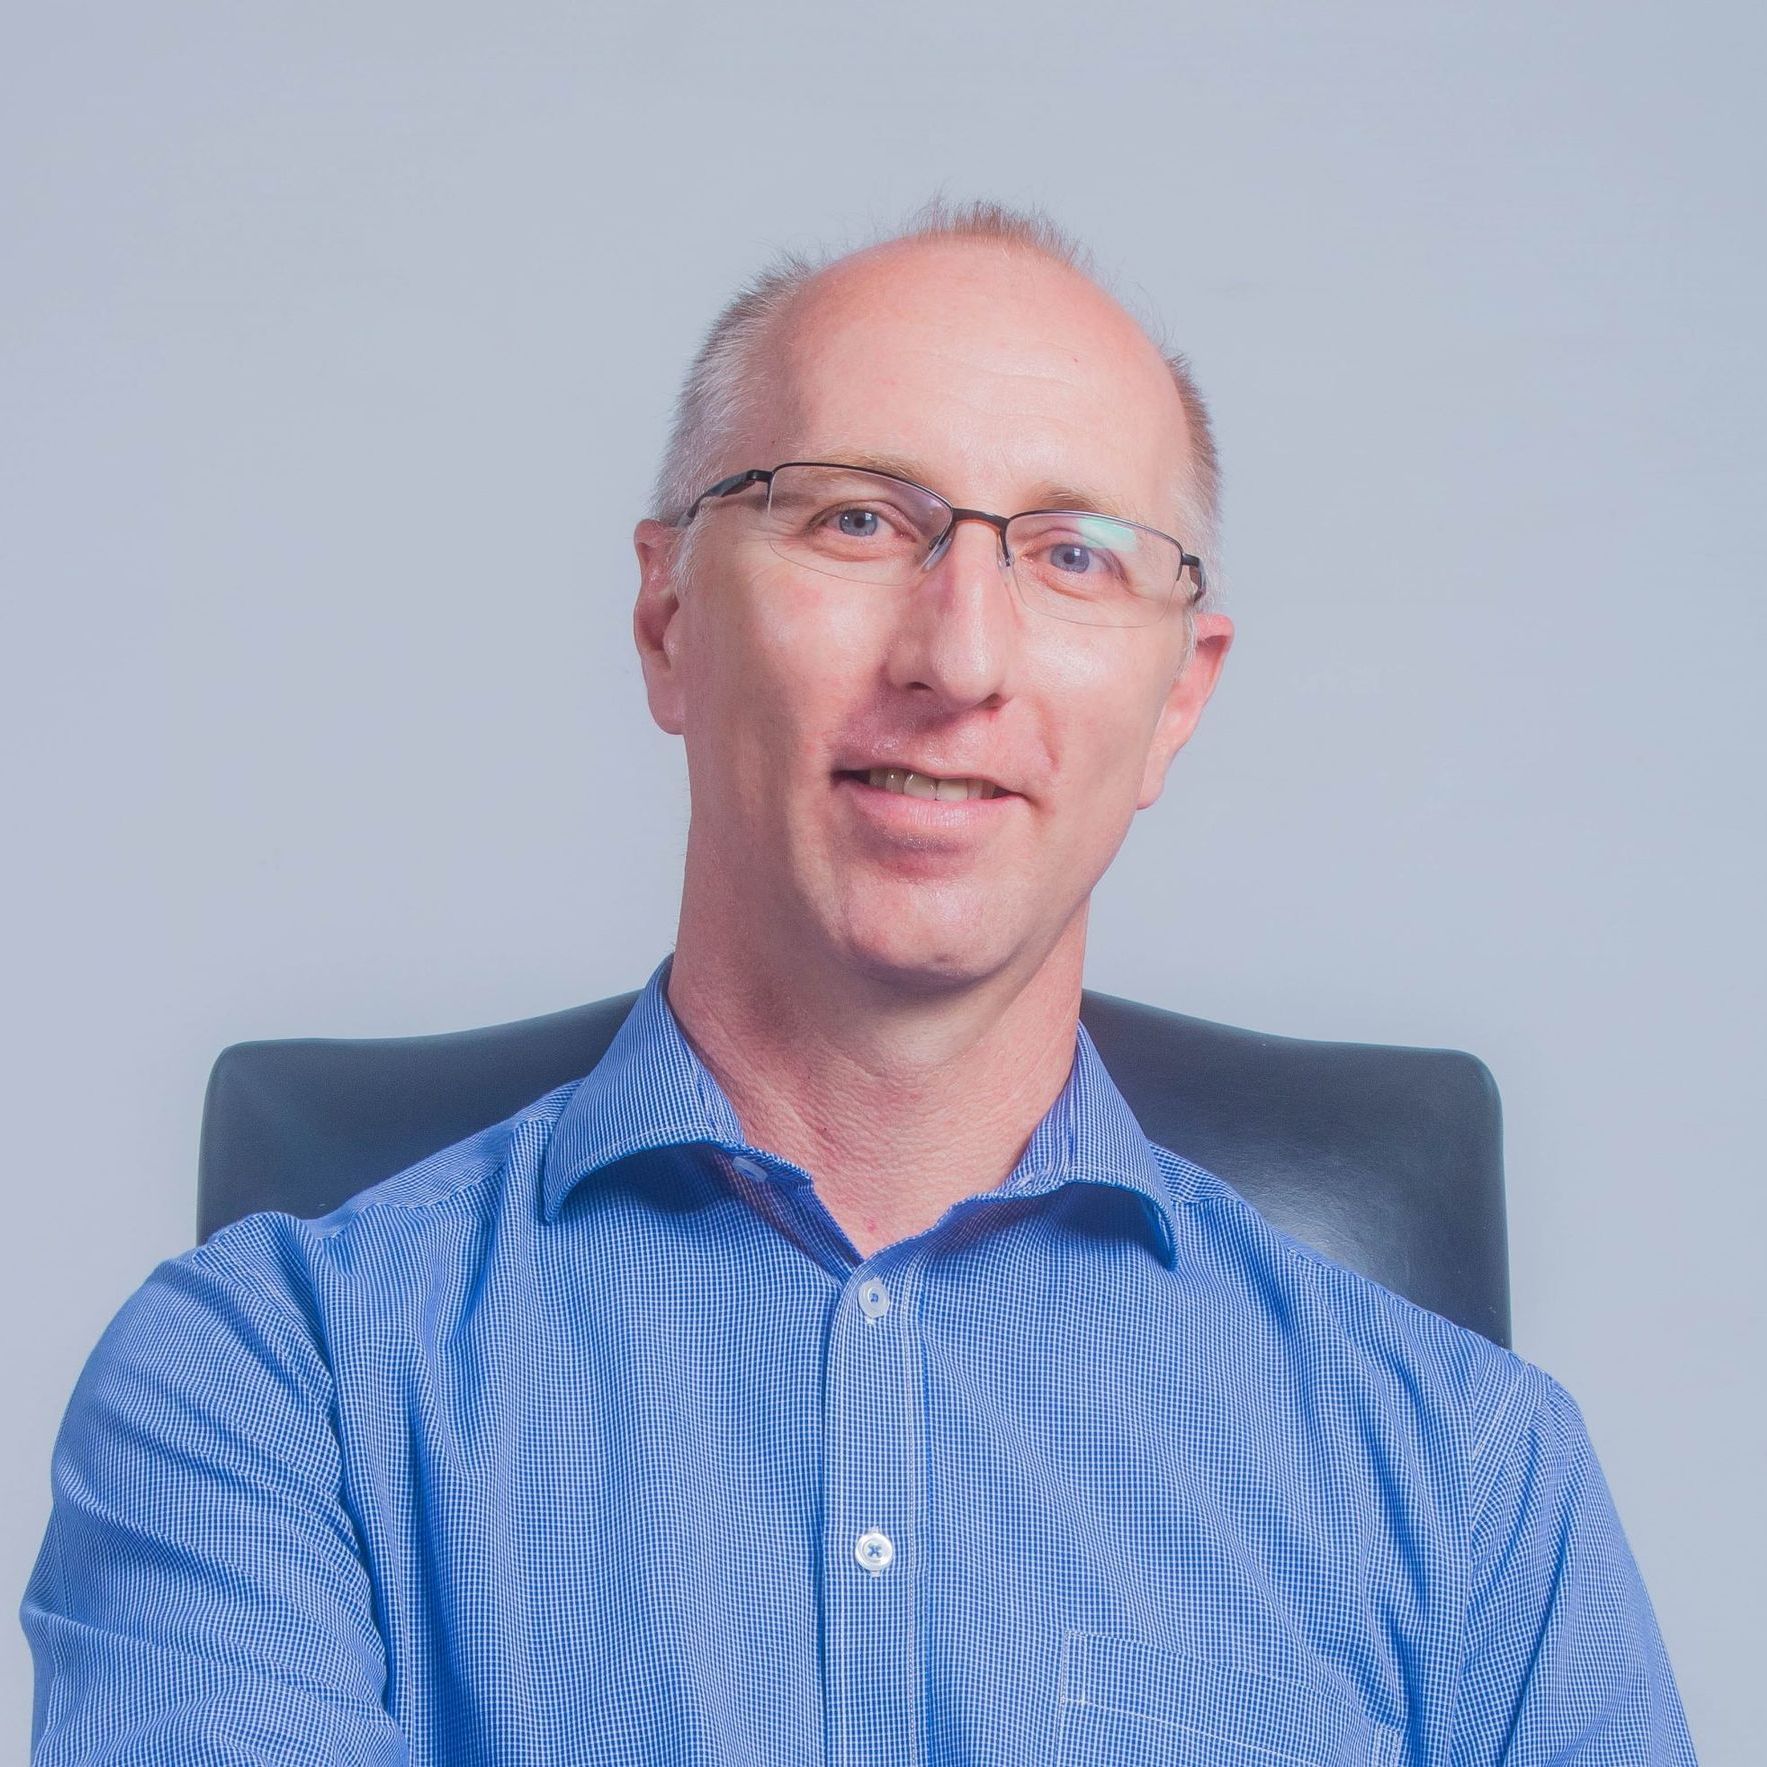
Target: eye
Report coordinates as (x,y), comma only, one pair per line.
(1077,559)
(856,523)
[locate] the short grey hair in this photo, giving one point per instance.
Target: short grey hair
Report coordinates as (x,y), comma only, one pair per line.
(727,371)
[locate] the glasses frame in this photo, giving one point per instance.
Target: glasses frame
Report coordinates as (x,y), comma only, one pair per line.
(763,475)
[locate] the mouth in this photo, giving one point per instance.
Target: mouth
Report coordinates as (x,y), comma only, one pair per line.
(929,786)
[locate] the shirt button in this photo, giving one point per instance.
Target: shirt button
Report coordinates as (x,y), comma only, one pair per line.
(874,1549)
(750,1169)
(874,1298)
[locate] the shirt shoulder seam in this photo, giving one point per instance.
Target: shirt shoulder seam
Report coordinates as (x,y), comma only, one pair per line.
(475,1176)
(1210,1191)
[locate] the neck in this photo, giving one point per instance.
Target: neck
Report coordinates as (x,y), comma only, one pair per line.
(897,1099)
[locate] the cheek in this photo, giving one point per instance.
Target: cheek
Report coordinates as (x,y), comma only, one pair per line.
(777,662)
(1107,713)
(817,643)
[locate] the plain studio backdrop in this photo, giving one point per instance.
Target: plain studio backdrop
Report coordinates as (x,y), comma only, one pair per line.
(338,350)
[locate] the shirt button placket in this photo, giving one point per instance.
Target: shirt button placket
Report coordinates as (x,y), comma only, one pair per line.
(872,1431)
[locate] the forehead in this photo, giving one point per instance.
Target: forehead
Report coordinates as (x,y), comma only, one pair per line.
(991,369)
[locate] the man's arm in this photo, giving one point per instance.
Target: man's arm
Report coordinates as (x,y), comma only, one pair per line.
(200,1595)
(1564,1662)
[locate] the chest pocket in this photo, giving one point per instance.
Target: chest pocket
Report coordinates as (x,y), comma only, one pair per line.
(1127,1703)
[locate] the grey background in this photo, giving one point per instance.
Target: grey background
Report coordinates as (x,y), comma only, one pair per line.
(338,345)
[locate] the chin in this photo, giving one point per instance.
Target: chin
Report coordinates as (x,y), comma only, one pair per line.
(907,953)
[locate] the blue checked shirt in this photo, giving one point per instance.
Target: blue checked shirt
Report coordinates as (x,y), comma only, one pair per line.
(591,1439)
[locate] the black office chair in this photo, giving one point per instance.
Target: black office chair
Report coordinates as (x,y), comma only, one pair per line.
(1386,1159)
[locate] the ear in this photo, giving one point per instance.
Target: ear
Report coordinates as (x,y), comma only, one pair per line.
(1184,703)
(656,622)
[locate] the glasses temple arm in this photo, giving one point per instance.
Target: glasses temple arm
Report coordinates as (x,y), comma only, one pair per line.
(723,488)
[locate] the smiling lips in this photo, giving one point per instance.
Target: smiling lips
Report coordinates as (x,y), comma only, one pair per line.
(927,785)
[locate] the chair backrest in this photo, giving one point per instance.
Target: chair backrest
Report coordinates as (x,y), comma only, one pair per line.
(1387,1159)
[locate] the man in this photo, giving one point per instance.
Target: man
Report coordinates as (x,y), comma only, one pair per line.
(836,1373)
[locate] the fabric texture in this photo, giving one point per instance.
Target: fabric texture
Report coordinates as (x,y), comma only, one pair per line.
(592,1439)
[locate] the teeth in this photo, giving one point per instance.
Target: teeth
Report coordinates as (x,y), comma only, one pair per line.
(923,785)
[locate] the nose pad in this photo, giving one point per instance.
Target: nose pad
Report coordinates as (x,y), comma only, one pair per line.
(942,545)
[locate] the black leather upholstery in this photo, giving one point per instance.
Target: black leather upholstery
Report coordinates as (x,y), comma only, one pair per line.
(1387,1159)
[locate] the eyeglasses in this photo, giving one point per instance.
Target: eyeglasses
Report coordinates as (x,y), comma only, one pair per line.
(874,527)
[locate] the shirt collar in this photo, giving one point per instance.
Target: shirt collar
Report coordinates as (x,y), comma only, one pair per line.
(651,1090)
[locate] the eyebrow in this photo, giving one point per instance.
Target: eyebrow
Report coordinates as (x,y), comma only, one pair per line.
(1051,494)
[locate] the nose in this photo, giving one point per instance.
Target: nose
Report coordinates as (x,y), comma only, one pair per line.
(958,636)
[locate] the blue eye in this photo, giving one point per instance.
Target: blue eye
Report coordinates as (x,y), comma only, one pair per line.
(1070,556)
(858,524)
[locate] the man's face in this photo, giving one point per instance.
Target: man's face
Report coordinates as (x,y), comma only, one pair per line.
(992,377)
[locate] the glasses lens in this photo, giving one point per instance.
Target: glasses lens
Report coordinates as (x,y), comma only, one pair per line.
(1093,570)
(848,523)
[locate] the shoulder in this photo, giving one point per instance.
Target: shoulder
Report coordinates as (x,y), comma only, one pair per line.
(462,1195)
(1470,1397)
(248,1337)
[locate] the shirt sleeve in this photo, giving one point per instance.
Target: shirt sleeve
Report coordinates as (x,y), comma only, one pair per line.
(201,1596)
(1564,1662)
